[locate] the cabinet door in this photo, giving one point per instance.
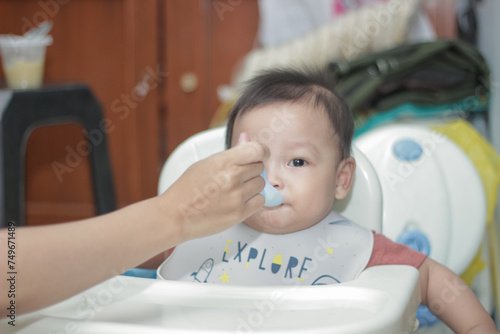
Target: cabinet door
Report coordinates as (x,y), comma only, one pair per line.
(112,46)
(206,39)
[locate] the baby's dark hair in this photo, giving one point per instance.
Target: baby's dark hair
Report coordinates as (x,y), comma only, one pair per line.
(296,86)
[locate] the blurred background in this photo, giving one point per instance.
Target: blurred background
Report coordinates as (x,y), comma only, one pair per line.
(134,56)
(163,69)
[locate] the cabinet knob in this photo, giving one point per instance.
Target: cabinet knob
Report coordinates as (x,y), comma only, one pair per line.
(188,82)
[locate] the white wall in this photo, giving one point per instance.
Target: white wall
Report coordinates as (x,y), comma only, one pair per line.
(489,44)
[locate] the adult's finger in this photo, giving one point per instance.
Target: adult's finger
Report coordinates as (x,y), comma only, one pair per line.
(252,187)
(252,205)
(248,152)
(243,138)
(250,171)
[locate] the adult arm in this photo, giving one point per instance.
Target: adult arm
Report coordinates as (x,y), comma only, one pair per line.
(54,262)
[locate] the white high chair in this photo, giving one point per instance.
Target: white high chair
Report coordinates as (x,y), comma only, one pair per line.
(364,206)
(434,201)
(383,299)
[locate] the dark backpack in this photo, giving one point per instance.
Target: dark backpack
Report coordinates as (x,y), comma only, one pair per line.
(426,74)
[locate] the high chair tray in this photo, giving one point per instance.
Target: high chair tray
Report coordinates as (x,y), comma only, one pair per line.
(383,299)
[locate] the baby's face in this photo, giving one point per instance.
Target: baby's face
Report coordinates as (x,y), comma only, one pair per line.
(303,161)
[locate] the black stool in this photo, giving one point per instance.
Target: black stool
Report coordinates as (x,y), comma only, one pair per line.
(23,111)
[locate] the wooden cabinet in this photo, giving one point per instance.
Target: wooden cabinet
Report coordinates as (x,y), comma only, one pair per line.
(206,39)
(136,55)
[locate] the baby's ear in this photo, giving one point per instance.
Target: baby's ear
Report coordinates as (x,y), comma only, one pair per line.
(345,177)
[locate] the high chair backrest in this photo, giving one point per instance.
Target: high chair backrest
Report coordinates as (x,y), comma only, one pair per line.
(363,205)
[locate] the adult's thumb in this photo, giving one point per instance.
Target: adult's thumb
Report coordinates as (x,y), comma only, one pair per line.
(243,138)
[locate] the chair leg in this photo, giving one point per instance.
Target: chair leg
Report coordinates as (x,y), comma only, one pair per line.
(100,166)
(26,110)
(13,177)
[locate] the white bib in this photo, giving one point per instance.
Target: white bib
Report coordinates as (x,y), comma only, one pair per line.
(334,250)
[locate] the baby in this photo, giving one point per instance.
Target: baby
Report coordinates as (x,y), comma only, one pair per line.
(308,130)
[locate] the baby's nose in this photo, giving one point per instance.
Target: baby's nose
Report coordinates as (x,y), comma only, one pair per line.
(274,177)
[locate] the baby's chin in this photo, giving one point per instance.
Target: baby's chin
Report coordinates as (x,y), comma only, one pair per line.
(272,221)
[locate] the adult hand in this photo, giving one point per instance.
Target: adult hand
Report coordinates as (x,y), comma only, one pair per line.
(219,191)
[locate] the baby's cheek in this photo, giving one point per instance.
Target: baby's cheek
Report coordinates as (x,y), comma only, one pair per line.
(326,199)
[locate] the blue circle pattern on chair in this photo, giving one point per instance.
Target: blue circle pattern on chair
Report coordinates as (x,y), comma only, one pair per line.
(418,241)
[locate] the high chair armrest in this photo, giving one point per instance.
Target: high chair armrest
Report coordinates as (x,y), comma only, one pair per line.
(383,299)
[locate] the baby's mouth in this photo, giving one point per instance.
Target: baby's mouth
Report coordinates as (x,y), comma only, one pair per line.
(275,207)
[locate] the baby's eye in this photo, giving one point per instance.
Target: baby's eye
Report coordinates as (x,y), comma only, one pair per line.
(297,163)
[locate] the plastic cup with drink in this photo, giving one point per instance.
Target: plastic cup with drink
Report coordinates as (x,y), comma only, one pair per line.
(23,57)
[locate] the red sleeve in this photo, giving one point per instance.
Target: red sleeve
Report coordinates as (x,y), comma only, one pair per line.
(386,251)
